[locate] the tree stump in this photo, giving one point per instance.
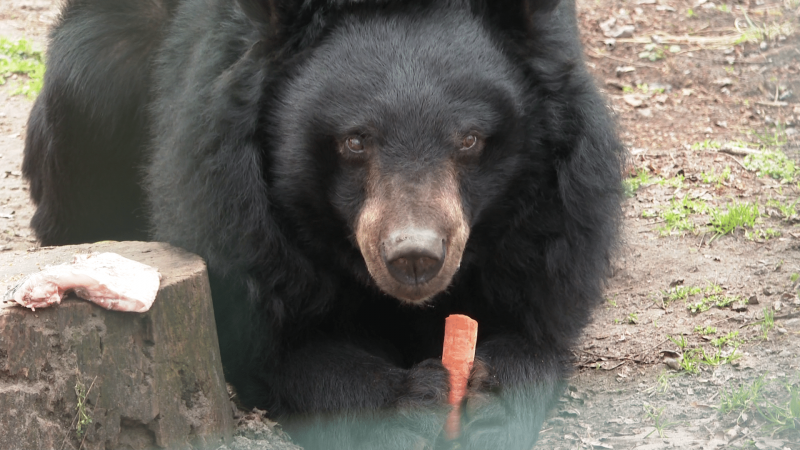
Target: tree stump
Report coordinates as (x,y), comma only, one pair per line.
(79,376)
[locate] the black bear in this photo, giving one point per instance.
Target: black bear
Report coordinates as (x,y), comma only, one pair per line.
(353,172)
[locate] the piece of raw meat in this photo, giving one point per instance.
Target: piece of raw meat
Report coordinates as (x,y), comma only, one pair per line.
(106,279)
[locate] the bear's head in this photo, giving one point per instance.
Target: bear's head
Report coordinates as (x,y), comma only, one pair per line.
(392,135)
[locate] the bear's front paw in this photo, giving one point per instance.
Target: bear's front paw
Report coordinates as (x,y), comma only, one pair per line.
(421,404)
(490,419)
(426,385)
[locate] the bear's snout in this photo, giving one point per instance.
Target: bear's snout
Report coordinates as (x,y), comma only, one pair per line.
(414,256)
(412,232)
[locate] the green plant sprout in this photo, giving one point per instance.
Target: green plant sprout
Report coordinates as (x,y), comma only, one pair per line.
(659,423)
(772,163)
(19,58)
(705,331)
(787,210)
(738,215)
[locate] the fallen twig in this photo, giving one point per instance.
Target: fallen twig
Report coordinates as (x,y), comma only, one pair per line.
(624,61)
(775,104)
(739,151)
(729,155)
(785,316)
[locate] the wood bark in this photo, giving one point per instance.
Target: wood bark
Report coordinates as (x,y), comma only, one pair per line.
(152,380)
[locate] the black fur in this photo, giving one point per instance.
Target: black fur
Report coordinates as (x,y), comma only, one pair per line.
(227,115)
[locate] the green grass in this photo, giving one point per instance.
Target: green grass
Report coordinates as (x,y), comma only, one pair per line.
(772,163)
(780,411)
(659,423)
(632,184)
(783,417)
(706,303)
(720,357)
(787,210)
(767,323)
(679,293)
(714,178)
(19,58)
(712,296)
(765,32)
(681,343)
(738,215)
(731,339)
(83,419)
(677,215)
(771,138)
(705,331)
(662,383)
(692,358)
(740,400)
(765,234)
(652,52)
(676,181)
(708,144)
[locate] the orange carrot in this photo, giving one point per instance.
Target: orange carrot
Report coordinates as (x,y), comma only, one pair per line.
(460,338)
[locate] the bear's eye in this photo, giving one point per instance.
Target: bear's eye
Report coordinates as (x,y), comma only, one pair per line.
(469,142)
(355,144)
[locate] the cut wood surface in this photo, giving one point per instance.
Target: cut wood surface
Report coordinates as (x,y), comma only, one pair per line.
(151,379)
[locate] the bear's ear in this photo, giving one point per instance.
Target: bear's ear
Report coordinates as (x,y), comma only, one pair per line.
(518,14)
(270,16)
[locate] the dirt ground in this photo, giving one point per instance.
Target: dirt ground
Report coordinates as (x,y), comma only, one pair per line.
(696,86)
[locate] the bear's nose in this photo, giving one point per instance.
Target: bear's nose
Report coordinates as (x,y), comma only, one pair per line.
(414,256)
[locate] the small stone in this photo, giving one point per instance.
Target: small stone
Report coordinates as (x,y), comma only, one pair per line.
(616,84)
(767,291)
(633,100)
(569,413)
(723,82)
(645,112)
(557,421)
(739,307)
(672,363)
(622,32)
(763,45)
(753,300)
(781,330)
(777,306)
